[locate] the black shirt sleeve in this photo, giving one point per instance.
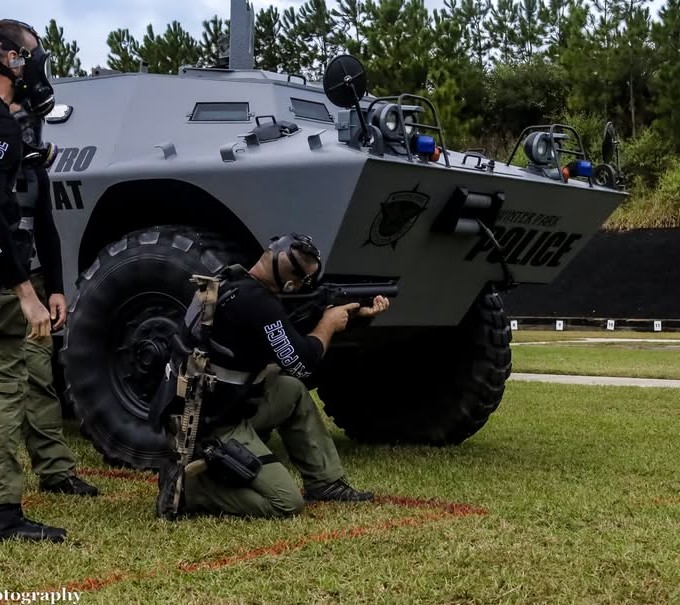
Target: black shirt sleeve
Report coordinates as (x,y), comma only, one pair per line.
(12,272)
(255,326)
(297,354)
(47,241)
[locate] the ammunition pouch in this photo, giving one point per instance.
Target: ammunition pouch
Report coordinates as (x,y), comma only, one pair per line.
(232,463)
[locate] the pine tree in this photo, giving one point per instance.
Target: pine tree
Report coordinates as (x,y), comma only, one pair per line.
(267,32)
(215,33)
(124,51)
(64,55)
(666,84)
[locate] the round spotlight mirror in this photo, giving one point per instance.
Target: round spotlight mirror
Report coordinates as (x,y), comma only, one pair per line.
(344,81)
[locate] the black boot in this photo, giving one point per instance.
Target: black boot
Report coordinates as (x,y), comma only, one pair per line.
(71,485)
(169,475)
(13,524)
(339,491)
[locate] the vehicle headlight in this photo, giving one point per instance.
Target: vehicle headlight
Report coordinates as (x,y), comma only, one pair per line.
(538,149)
(387,119)
(391,120)
(408,124)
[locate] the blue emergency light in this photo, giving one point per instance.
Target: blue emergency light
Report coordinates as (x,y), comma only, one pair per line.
(581,168)
(424,144)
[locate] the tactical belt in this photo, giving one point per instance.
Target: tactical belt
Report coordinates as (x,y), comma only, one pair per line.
(234,376)
(238,377)
(26,222)
(228,376)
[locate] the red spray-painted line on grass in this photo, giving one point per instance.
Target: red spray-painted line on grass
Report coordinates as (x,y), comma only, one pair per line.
(452,508)
(118,474)
(279,548)
(438,510)
(94,584)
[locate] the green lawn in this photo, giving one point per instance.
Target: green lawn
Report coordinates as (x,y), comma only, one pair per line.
(597,361)
(579,486)
(614,358)
(554,335)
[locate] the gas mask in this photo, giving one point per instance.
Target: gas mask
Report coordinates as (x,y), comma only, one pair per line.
(33,87)
(36,153)
(303,245)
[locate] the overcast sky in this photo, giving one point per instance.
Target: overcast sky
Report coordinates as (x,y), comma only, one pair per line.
(90,21)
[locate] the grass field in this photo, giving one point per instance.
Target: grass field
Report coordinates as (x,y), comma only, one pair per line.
(569,353)
(519,336)
(569,494)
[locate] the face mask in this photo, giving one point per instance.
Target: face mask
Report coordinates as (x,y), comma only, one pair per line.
(33,87)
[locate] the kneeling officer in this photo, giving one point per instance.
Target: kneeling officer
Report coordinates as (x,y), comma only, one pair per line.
(236,374)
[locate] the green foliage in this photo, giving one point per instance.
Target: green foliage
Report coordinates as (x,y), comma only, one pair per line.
(167,53)
(652,208)
(523,94)
(398,43)
(349,18)
(65,61)
(472,15)
(321,40)
(590,128)
(214,42)
(666,83)
(646,157)
(267,30)
(124,51)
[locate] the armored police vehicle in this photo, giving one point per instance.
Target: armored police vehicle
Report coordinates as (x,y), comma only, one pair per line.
(160,177)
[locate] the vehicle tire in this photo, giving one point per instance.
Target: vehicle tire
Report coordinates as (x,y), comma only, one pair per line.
(436,388)
(126,309)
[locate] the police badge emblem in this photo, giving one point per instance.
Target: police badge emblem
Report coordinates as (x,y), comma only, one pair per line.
(398,213)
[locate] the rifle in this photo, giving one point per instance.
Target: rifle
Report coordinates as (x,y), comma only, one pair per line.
(305,309)
(195,379)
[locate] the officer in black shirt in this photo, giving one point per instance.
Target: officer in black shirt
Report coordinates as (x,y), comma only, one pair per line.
(23,77)
(51,458)
(270,360)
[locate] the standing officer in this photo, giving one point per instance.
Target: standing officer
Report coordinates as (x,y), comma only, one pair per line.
(51,459)
(23,77)
(259,389)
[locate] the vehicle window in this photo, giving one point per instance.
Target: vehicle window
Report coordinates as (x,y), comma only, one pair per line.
(220,112)
(310,109)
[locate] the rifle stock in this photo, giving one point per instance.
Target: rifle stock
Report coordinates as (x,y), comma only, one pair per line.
(194,380)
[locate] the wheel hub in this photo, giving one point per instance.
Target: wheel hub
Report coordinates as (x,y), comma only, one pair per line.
(142,348)
(148,354)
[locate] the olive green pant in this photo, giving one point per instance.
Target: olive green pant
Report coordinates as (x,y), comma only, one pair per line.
(287,407)
(42,430)
(30,410)
(13,391)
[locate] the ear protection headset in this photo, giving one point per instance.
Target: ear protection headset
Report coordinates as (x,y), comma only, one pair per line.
(301,244)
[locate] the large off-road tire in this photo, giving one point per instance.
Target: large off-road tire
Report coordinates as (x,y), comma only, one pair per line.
(126,309)
(436,388)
